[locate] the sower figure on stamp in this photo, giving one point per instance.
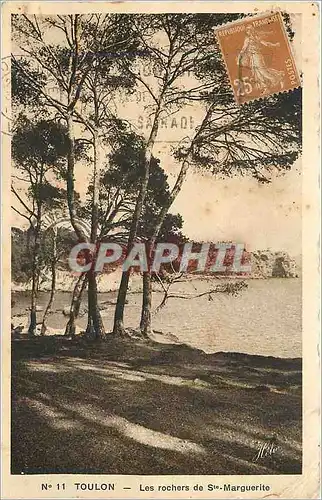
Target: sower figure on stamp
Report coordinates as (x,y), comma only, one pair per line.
(251,56)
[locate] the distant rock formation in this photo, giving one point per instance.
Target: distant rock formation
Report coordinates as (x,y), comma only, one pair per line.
(66,280)
(268,264)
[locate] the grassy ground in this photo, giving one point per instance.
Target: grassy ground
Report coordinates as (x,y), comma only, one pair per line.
(148,408)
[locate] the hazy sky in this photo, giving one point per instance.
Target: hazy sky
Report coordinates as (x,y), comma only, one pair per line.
(239,209)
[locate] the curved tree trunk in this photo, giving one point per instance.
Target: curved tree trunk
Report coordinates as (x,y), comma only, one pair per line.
(145,323)
(118,328)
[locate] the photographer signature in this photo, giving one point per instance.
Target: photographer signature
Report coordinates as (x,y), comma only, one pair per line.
(266,449)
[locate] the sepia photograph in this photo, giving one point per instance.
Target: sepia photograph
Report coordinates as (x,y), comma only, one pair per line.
(156,256)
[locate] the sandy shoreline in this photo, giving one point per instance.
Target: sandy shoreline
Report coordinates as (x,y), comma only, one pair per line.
(263,319)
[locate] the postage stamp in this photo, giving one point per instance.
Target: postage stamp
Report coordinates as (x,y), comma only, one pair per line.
(160,292)
(258,57)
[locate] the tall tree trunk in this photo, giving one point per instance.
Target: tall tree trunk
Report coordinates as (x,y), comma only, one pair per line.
(33,314)
(145,323)
(75,305)
(118,328)
(146,316)
(71,180)
(95,320)
(53,282)
(35,274)
(51,297)
(95,328)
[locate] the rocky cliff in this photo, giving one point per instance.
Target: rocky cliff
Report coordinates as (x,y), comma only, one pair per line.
(268,264)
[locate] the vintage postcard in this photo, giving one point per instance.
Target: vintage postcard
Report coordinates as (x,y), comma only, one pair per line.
(160,250)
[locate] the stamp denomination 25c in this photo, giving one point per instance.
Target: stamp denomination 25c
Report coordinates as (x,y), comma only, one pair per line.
(258,57)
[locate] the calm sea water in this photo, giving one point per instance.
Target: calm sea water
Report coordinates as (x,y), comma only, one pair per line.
(263,319)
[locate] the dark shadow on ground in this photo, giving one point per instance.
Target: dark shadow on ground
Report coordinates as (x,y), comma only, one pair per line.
(126,407)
